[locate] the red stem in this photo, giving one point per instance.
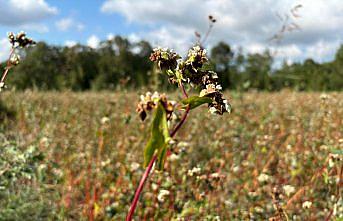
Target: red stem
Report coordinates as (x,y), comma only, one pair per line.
(152,161)
(183,89)
(140,188)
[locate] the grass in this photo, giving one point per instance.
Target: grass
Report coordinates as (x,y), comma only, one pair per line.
(222,167)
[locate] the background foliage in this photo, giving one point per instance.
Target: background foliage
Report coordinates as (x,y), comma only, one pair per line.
(118,63)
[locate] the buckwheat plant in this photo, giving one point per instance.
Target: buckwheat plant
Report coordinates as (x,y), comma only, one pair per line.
(190,71)
(18,42)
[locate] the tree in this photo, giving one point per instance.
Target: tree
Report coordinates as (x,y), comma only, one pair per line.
(258,69)
(40,68)
(222,58)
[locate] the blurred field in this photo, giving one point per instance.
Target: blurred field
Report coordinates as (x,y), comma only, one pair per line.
(223,168)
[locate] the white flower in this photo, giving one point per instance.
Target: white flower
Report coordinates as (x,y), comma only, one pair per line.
(142,98)
(162,194)
(324,96)
(259,209)
(173,157)
(183,144)
(227,106)
(307,204)
(44,141)
(288,189)
(2,85)
(14,60)
(134,166)
(195,170)
(105,120)
(215,175)
(210,86)
(214,75)
(154,186)
(235,169)
(155,96)
(228,203)
(212,110)
(263,178)
(219,87)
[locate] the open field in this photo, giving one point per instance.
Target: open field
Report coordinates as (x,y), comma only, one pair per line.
(222,168)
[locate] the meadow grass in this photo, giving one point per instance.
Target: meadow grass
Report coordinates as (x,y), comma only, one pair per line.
(224,168)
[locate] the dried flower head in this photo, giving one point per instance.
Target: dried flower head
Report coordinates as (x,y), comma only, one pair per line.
(150,101)
(165,58)
(212,19)
(191,71)
(14,59)
(20,40)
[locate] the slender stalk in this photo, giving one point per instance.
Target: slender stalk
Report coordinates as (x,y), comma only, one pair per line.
(152,161)
(7,68)
(183,89)
(140,188)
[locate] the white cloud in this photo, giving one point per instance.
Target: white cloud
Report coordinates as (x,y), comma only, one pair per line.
(246,23)
(15,12)
(134,38)
(5,48)
(321,51)
(110,36)
(70,43)
(66,24)
(93,41)
(40,28)
(255,48)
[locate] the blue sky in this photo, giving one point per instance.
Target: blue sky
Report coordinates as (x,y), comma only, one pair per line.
(241,23)
(74,20)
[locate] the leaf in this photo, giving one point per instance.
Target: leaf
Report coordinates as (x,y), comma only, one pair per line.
(161,157)
(159,136)
(196,101)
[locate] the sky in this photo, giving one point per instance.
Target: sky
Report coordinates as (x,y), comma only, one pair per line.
(246,24)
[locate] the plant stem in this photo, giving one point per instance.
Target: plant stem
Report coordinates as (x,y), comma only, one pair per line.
(7,68)
(152,161)
(140,188)
(183,89)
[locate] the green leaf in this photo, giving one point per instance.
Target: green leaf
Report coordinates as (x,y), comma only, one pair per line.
(161,157)
(178,75)
(159,137)
(196,101)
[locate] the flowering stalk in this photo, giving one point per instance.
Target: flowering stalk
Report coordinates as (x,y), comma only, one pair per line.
(190,71)
(7,68)
(18,41)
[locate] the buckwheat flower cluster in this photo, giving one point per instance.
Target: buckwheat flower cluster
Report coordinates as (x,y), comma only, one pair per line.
(165,58)
(17,42)
(14,59)
(206,80)
(150,101)
(192,71)
(20,40)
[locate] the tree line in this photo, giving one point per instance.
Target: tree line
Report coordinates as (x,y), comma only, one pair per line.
(119,63)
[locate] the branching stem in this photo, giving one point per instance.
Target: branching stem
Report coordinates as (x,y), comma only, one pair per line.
(152,161)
